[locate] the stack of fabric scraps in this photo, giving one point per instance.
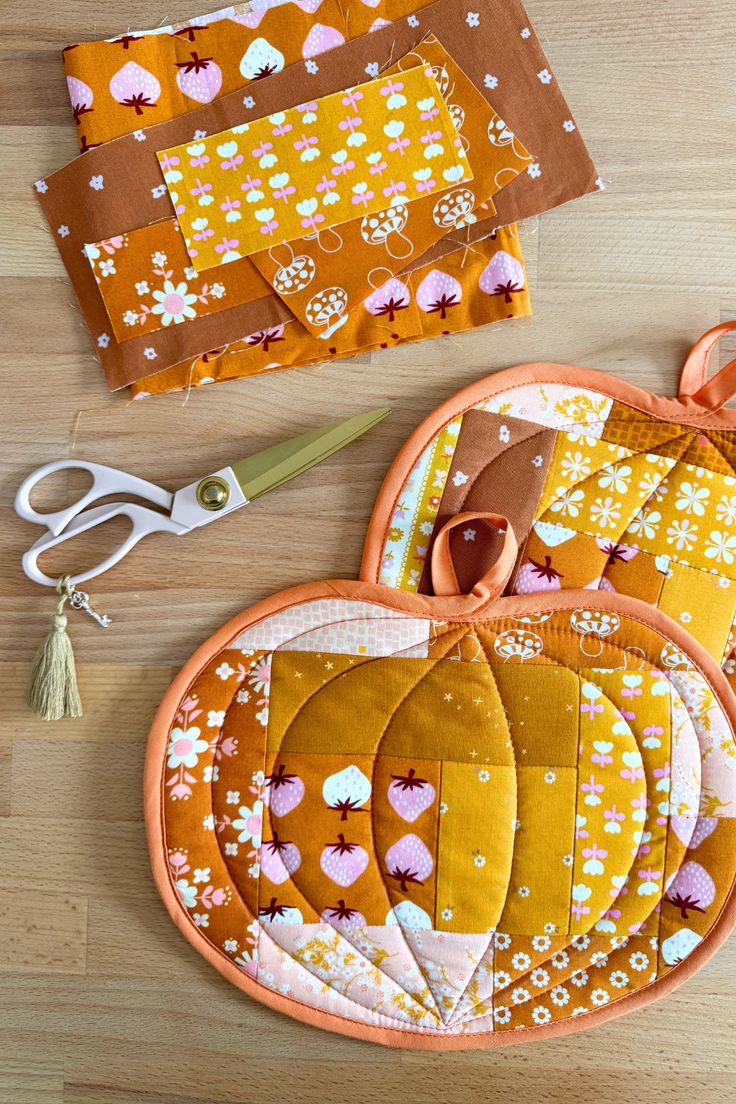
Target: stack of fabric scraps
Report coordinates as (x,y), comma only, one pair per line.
(283,182)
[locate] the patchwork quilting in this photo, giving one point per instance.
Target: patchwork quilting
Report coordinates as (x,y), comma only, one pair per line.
(613,499)
(368,814)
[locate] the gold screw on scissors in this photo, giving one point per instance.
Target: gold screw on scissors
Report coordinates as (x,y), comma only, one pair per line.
(213,493)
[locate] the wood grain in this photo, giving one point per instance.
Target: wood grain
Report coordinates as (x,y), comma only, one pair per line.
(43,933)
(102,1002)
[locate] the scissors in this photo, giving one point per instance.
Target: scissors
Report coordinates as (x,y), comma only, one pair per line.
(194,505)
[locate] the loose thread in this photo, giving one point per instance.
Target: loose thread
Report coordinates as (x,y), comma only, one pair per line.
(468,247)
(75,430)
(189,383)
(346,18)
(453,340)
(530,225)
(390,60)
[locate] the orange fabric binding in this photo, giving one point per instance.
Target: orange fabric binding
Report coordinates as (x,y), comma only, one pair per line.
(361,808)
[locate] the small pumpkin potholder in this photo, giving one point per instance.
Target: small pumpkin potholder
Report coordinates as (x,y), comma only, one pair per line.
(607,486)
(448,821)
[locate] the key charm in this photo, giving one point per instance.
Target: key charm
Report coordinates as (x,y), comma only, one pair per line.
(79,600)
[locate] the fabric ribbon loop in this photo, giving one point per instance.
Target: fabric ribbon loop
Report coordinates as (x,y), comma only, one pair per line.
(491,585)
(694,382)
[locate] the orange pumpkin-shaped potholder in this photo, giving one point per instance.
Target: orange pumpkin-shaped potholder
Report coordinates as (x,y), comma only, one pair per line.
(449,821)
(607,486)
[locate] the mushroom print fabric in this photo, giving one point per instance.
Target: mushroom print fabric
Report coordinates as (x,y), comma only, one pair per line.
(382,246)
(608,488)
(360,812)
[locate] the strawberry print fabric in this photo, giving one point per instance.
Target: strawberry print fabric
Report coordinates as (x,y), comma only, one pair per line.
(432,301)
(383,246)
(308,168)
(348,837)
(147,282)
(140,78)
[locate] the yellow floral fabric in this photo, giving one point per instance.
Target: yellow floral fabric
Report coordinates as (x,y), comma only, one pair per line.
(677,516)
(309,168)
(450,828)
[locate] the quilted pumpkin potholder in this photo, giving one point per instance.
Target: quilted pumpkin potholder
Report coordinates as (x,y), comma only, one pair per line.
(607,486)
(448,821)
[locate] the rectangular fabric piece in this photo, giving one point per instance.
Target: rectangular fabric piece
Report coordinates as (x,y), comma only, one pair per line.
(282,346)
(147,282)
(140,78)
(474,863)
(347,263)
(309,167)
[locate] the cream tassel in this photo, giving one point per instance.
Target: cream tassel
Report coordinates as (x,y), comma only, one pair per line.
(52,691)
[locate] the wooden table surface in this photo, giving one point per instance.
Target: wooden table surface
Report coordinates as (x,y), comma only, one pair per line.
(101,1000)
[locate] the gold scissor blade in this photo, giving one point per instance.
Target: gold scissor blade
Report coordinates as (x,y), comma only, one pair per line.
(276,465)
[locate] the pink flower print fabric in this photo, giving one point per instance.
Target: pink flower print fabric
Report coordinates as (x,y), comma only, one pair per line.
(146,280)
(308,169)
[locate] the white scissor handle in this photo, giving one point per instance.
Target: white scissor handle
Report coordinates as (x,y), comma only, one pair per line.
(144,521)
(105,481)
